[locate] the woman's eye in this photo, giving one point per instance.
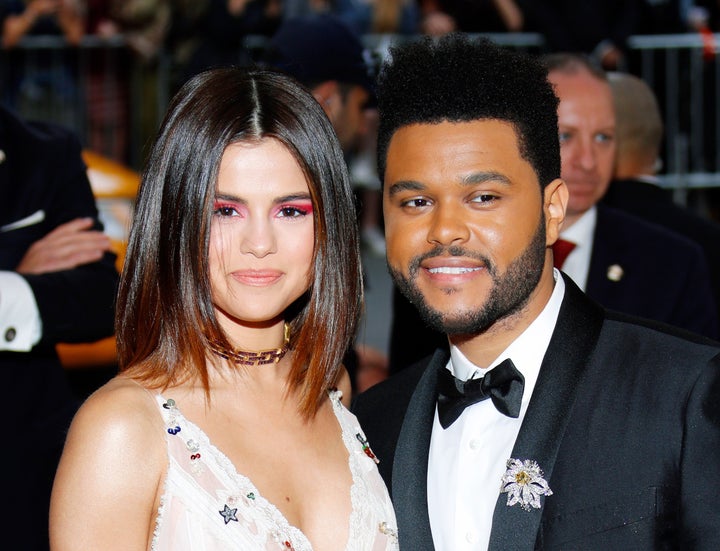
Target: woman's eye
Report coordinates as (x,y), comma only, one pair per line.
(292,212)
(225,211)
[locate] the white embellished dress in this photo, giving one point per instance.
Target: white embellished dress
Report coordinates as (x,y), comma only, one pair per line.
(208,506)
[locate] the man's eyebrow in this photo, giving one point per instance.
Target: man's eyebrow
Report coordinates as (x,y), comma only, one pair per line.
(405,185)
(470,179)
(486,176)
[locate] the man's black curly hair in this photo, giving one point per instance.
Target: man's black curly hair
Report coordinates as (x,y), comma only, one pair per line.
(460,79)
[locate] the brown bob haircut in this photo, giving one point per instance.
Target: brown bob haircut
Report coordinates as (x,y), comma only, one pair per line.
(165,312)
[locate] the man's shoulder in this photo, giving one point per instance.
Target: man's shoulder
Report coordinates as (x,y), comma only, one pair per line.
(35,136)
(381,410)
(635,229)
(641,243)
(393,393)
(637,198)
(656,341)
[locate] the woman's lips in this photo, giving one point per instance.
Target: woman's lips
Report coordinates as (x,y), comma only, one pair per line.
(257,278)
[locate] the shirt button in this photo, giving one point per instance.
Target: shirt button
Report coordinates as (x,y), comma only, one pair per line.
(10,334)
(474,444)
(471,536)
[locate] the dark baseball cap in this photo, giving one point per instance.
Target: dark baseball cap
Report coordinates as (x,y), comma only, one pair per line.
(319,48)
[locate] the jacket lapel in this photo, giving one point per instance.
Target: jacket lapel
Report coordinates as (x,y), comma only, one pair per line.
(409,480)
(571,346)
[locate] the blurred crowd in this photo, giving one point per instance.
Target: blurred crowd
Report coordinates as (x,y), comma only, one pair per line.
(202,32)
(192,35)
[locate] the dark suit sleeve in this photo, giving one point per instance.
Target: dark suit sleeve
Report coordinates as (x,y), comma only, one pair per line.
(381,410)
(700,463)
(75,305)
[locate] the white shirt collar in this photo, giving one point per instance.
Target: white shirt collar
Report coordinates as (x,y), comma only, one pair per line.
(526,351)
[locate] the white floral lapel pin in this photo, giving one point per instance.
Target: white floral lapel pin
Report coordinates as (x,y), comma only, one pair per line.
(523,482)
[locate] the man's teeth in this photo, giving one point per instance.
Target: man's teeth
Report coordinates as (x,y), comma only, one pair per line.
(452,270)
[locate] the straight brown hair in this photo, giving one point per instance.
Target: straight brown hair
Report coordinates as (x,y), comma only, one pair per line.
(165,313)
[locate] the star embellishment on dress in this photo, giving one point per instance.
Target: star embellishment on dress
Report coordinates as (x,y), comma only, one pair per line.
(523,482)
(228,514)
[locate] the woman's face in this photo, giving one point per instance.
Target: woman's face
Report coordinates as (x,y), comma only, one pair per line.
(261,236)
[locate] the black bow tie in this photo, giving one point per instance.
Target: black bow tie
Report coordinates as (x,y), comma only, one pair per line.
(503,385)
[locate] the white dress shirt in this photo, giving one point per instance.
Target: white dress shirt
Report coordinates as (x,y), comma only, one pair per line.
(468,459)
(577,264)
(20,323)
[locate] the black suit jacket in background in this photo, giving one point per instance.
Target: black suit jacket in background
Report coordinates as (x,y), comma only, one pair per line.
(624,420)
(656,205)
(42,170)
(665,276)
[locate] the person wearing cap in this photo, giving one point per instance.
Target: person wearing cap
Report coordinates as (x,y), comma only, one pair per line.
(323,53)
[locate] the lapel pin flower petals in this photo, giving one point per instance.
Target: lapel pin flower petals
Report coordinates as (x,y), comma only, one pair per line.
(523,482)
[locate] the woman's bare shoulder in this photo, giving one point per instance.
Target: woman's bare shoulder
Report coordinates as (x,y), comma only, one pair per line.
(115,452)
(122,413)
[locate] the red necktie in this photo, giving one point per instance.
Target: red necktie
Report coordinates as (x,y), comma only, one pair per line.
(561,250)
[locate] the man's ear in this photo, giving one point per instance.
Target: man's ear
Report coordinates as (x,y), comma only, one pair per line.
(327,95)
(555,200)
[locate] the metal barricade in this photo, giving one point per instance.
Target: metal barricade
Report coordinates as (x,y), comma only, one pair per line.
(98,89)
(685,75)
(115,102)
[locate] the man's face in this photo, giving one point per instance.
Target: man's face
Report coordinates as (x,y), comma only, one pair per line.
(586,120)
(464,223)
(349,122)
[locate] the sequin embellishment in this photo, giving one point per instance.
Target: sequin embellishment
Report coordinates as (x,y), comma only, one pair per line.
(366,447)
(228,514)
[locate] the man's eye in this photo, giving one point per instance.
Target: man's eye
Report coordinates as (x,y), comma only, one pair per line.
(416,202)
(484,198)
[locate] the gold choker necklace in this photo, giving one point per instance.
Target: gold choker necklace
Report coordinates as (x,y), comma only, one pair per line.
(244,357)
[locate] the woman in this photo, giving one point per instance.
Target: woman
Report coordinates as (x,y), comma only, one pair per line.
(239,296)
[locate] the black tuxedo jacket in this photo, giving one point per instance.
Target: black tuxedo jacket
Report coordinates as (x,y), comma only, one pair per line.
(42,170)
(624,420)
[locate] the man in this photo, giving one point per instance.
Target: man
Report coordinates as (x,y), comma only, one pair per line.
(636,187)
(324,54)
(57,284)
(600,428)
(619,260)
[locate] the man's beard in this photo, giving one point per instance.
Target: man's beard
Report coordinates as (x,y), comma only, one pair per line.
(508,295)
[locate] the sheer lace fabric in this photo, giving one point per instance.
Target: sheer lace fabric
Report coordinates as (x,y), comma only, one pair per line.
(208,506)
